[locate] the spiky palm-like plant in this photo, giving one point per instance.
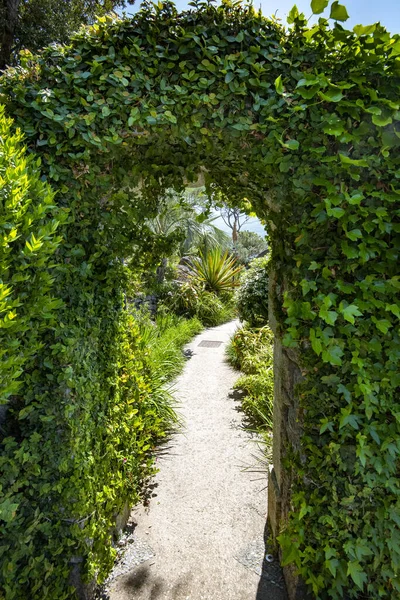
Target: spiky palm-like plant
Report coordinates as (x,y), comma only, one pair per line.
(218,271)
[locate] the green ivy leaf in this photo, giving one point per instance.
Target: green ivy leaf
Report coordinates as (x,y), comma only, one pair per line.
(336,212)
(338,12)
(293,14)
(8,510)
(332,95)
(381,121)
(364,30)
(318,6)
(334,129)
(290,555)
(382,324)
(292,144)
(326,425)
(348,418)
(354,234)
(316,343)
(357,573)
(346,160)
(333,355)
(351,311)
(394,308)
(279,85)
(329,316)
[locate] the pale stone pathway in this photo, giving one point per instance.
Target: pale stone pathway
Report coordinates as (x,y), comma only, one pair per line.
(202,537)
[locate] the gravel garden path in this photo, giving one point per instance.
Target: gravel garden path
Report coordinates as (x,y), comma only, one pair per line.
(202,537)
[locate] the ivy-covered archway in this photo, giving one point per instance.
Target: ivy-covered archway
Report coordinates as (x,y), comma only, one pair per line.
(303,123)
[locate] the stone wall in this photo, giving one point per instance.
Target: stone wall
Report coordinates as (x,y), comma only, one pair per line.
(287,433)
(87,591)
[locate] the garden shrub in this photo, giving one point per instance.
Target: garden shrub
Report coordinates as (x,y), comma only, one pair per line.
(29,220)
(251,351)
(190,299)
(52,471)
(252,294)
(214,310)
(162,341)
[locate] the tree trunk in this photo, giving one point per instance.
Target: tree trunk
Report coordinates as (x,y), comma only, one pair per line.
(9,22)
(234,234)
(160,273)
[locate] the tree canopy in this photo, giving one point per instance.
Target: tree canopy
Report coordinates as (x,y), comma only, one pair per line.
(33,24)
(249,245)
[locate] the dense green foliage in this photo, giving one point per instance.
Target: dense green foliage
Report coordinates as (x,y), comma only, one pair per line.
(190,299)
(83,390)
(252,294)
(29,220)
(32,24)
(162,342)
(252,351)
(249,245)
(302,123)
(49,466)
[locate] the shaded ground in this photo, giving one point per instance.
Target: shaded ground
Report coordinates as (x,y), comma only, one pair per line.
(203,535)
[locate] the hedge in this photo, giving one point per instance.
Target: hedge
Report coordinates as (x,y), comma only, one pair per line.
(79,424)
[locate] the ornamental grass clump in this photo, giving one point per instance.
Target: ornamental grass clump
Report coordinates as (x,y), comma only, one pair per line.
(251,351)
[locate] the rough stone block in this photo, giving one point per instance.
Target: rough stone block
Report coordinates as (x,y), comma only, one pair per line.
(274,502)
(295,586)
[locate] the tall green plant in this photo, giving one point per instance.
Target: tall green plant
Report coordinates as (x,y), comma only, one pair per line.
(29,219)
(252,352)
(252,293)
(216,270)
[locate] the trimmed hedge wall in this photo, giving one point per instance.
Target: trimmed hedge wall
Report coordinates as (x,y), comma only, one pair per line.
(79,423)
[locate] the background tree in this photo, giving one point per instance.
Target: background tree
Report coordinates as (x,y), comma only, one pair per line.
(185,218)
(249,245)
(33,24)
(234,218)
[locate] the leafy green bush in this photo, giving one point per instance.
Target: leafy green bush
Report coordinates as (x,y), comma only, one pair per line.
(46,491)
(251,351)
(28,223)
(190,299)
(214,310)
(252,294)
